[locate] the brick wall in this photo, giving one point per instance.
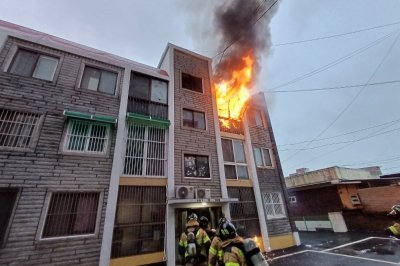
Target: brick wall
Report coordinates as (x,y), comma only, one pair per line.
(193,141)
(39,171)
(379,199)
(270,180)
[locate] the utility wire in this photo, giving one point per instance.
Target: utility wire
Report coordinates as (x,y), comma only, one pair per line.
(376,161)
(337,88)
(344,110)
(338,61)
(348,133)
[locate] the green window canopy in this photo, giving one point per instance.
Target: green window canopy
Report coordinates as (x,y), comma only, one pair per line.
(148,120)
(98,118)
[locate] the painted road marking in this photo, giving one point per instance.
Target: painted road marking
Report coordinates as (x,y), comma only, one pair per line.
(348,244)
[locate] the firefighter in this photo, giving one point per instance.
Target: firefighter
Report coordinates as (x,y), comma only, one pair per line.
(216,253)
(395,228)
(232,245)
(203,222)
(193,244)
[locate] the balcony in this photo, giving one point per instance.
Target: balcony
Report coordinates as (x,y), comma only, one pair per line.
(231,125)
(146,107)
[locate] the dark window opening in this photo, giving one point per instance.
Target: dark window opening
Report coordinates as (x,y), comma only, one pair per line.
(97,79)
(7,200)
(194,119)
(192,83)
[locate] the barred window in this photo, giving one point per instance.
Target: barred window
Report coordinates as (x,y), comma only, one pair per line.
(145,153)
(273,205)
(17,128)
(234,159)
(244,213)
(87,137)
(140,221)
(71,214)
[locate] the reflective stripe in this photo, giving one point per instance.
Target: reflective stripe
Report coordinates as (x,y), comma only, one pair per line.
(232,264)
(206,239)
(213,251)
(220,254)
(241,253)
(394,230)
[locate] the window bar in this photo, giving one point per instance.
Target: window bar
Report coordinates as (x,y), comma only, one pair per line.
(146,135)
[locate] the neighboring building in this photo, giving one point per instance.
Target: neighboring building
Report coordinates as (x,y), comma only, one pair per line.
(321,198)
(102,158)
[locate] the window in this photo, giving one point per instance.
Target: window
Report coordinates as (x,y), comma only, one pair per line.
(140,221)
(273,205)
(263,158)
(292,199)
(194,119)
(192,83)
(7,201)
(97,79)
(196,166)
(17,129)
(146,153)
(71,214)
(33,64)
(244,212)
(234,159)
(256,117)
(87,137)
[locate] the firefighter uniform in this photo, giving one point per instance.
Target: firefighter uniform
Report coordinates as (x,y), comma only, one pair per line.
(395,229)
(216,253)
(233,256)
(202,239)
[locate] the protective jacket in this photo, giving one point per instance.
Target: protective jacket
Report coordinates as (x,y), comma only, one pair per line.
(216,253)
(233,255)
(395,229)
(202,239)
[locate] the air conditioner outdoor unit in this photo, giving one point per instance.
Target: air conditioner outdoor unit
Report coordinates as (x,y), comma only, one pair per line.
(355,200)
(203,193)
(184,192)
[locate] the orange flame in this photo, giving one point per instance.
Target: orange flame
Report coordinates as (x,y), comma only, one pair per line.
(233,94)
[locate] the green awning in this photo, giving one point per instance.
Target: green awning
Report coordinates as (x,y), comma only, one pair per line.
(90,117)
(148,120)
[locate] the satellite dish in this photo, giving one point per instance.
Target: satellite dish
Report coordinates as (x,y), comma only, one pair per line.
(183,192)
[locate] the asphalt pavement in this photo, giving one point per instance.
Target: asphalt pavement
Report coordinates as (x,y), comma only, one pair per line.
(334,249)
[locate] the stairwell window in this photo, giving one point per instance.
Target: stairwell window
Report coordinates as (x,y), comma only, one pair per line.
(87,137)
(146,150)
(196,166)
(33,64)
(71,214)
(256,117)
(101,80)
(234,159)
(192,83)
(194,119)
(263,157)
(273,205)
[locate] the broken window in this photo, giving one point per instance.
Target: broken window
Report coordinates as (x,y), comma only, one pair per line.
(192,83)
(196,166)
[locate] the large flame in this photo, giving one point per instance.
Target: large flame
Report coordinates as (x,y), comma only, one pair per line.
(232,94)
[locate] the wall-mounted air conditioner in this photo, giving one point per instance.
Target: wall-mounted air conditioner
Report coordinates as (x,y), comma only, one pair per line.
(203,193)
(355,200)
(184,192)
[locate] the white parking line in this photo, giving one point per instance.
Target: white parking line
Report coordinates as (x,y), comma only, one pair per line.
(348,244)
(354,257)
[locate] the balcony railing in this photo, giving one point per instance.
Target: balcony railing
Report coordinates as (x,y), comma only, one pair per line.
(149,108)
(231,125)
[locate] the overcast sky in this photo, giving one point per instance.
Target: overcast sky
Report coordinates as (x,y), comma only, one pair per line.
(140,30)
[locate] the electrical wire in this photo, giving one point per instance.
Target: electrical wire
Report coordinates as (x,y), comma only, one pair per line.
(338,88)
(348,133)
(344,110)
(376,161)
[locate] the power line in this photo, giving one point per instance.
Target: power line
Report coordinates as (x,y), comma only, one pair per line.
(348,133)
(377,161)
(337,88)
(338,61)
(344,110)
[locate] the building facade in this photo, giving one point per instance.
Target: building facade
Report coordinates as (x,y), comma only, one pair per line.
(102,159)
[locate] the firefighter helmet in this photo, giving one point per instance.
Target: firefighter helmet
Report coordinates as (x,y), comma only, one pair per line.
(227,230)
(193,217)
(203,222)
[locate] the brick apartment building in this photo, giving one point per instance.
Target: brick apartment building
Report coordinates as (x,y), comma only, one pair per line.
(103,158)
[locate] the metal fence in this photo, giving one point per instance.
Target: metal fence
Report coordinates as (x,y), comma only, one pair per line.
(146,107)
(140,221)
(231,125)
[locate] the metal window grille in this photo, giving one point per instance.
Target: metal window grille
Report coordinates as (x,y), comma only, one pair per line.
(17,128)
(273,204)
(140,221)
(244,213)
(71,214)
(145,153)
(87,137)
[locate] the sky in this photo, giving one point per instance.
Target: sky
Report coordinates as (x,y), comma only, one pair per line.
(351,127)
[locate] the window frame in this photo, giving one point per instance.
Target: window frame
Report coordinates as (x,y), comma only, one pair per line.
(3,241)
(292,199)
(252,119)
(246,164)
(188,153)
(45,211)
(193,111)
(101,68)
(202,82)
(274,216)
(150,87)
(63,142)
(263,158)
(11,57)
(35,133)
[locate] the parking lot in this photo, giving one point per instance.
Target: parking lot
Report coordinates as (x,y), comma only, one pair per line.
(328,248)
